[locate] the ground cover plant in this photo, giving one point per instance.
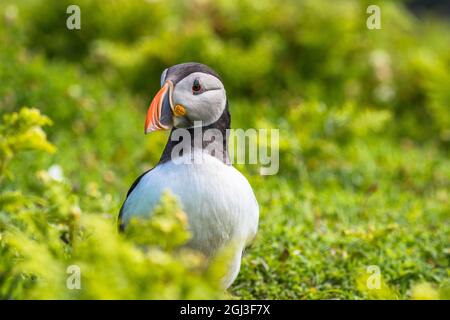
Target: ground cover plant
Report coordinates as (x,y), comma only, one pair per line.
(364,122)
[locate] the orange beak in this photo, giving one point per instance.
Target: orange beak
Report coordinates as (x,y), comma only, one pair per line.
(159,114)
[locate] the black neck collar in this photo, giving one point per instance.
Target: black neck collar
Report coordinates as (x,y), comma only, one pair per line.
(220,147)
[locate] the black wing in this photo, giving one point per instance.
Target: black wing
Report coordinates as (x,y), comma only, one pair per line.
(135,183)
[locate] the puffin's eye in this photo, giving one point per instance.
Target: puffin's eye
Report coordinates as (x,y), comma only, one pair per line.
(196,87)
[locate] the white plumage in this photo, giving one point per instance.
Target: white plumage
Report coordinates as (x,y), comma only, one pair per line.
(218,200)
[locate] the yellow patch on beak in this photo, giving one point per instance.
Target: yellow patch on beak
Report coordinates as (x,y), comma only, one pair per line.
(179,110)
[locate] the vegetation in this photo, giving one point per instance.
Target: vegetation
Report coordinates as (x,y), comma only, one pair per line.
(364,120)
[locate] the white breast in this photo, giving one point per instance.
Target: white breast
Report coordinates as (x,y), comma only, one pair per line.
(218,200)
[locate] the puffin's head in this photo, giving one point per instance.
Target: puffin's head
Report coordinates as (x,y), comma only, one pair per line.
(189,92)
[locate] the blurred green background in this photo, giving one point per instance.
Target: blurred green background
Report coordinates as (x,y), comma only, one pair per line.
(364,119)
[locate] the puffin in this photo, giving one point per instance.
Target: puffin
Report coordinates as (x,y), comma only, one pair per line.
(219,202)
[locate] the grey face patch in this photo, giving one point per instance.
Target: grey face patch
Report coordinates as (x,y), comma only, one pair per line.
(205,106)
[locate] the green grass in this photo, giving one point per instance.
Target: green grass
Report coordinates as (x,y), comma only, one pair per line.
(364,177)
(317,238)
